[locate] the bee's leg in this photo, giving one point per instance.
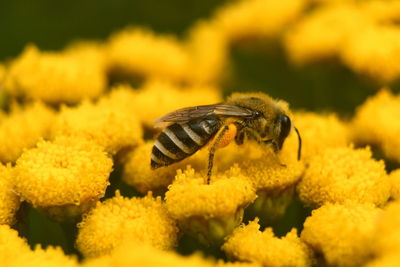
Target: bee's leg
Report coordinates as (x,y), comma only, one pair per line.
(275,148)
(223,138)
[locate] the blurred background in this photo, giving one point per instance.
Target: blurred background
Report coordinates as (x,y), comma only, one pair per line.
(258,66)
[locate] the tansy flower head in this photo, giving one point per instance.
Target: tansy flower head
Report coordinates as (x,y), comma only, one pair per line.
(22,128)
(342,232)
(318,131)
(255,18)
(390,260)
(9,201)
(376,122)
(206,65)
(141,52)
(247,243)
(11,244)
(112,127)
(70,171)
(56,77)
(111,223)
(310,40)
(344,173)
(209,211)
(374,51)
(387,233)
(156,98)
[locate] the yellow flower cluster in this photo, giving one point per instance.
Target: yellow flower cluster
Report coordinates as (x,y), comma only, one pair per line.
(22,128)
(341,174)
(68,77)
(69,171)
(117,220)
(14,251)
(343,233)
(247,243)
(376,122)
(362,34)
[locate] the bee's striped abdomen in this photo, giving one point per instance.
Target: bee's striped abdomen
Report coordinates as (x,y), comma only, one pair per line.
(178,141)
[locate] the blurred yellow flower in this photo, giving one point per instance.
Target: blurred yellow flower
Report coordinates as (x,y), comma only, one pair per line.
(209,211)
(256,18)
(344,173)
(9,201)
(111,223)
(248,243)
(132,254)
(22,128)
(391,260)
(319,131)
(387,233)
(374,51)
(69,171)
(156,98)
(376,122)
(54,77)
(137,51)
(310,40)
(107,124)
(343,233)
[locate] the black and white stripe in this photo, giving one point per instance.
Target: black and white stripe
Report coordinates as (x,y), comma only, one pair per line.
(178,141)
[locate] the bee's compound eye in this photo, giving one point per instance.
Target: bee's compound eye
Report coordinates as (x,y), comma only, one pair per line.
(285,126)
(257,113)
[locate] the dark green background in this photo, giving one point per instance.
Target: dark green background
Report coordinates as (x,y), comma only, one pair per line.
(51,25)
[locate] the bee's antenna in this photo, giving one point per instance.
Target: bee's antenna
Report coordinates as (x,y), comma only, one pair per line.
(299,150)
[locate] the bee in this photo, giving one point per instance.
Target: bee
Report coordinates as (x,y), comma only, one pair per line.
(254,116)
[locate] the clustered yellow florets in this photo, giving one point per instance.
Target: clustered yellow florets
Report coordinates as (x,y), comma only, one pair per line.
(118,220)
(343,233)
(341,174)
(376,122)
(247,243)
(22,128)
(53,77)
(66,171)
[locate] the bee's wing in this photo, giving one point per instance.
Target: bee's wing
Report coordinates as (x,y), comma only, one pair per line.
(185,115)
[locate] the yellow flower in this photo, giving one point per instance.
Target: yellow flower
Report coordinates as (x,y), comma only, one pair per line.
(209,211)
(56,77)
(343,233)
(11,244)
(141,52)
(131,254)
(256,18)
(344,173)
(318,131)
(310,40)
(156,98)
(387,234)
(68,172)
(9,201)
(376,122)
(111,223)
(247,243)
(107,124)
(374,51)
(391,260)
(22,128)
(208,53)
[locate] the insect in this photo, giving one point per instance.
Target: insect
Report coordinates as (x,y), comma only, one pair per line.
(243,116)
